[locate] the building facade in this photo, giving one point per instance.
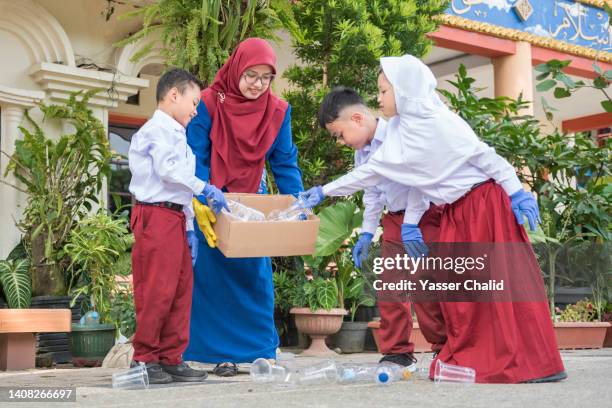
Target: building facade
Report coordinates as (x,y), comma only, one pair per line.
(50,48)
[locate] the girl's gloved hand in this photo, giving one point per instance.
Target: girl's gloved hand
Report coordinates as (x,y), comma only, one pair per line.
(412,238)
(525,204)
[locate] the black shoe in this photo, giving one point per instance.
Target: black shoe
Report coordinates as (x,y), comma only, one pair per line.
(155,373)
(405,360)
(225,370)
(183,373)
(551,378)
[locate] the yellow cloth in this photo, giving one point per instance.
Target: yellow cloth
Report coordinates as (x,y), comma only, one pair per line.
(205,218)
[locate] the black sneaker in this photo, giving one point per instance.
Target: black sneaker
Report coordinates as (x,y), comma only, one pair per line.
(183,373)
(155,373)
(405,360)
(551,378)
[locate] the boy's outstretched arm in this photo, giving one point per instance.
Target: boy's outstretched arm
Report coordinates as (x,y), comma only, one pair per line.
(356,180)
(360,178)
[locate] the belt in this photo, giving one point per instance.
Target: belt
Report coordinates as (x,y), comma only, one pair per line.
(400,212)
(475,186)
(164,204)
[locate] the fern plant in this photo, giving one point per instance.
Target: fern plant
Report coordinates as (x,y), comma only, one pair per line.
(199,35)
(15,280)
(95,246)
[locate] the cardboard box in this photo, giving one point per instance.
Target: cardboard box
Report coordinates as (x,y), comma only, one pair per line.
(243,239)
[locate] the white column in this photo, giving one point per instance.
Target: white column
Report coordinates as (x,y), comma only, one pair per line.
(11,200)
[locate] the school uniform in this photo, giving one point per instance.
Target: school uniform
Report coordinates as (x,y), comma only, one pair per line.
(436,153)
(163,183)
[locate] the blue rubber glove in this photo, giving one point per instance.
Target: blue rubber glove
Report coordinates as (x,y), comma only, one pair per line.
(412,238)
(192,240)
(361,248)
(525,204)
(312,197)
(215,198)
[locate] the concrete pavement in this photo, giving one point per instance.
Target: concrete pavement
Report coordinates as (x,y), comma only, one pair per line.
(589,384)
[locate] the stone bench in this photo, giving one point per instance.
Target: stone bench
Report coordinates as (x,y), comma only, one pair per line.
(17,328)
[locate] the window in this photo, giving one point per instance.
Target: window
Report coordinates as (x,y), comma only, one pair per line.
(119,136)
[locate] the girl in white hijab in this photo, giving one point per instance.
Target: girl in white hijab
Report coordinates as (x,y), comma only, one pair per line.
(434,151)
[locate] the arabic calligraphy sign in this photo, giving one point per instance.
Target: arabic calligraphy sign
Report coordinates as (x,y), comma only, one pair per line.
(572,22)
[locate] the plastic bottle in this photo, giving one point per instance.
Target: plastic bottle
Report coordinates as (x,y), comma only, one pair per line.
(353,372)
(290,214)
(322,373)
(90,318)
(388,373)
(241,212)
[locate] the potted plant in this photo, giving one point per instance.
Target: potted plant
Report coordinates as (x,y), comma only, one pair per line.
(18,322)
(62,178)
(318,298)
(607,317)
(576,326)
(352,294)
(94,247)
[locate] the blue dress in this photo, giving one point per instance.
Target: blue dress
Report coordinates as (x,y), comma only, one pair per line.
(232,313)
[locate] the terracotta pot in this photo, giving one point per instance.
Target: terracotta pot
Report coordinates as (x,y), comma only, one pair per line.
(581,335)
(608,339)
(420,344)
(318,325)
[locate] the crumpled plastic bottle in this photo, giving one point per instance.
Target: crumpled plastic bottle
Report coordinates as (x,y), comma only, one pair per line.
(241,212)
(295,212)
(90,318)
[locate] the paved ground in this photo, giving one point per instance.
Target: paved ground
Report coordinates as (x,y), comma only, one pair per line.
(589,385)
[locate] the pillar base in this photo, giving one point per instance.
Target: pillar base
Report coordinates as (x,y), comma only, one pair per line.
(17,351)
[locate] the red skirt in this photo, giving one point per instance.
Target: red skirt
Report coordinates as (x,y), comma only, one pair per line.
(505,342)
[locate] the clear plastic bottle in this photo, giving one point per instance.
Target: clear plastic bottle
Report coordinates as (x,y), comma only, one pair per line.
(90,318)
(290,214)
(322,373)
(353,372)
(388,373)
(241,212)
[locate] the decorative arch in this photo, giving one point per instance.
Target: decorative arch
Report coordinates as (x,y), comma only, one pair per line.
(38,30)
(123,56)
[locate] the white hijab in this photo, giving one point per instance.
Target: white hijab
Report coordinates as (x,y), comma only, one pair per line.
(425,142)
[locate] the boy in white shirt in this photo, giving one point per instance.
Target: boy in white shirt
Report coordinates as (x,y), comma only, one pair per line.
(165,249)
(344,114)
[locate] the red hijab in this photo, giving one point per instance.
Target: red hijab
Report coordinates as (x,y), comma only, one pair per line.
(243,130)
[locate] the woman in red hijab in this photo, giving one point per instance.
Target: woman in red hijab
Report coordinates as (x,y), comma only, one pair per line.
(240,125)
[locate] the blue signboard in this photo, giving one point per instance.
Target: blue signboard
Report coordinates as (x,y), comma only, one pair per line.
(568,21)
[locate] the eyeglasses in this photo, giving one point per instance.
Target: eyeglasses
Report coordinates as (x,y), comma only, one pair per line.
(251,78)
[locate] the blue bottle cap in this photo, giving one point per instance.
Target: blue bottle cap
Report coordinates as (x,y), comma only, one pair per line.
(383,377)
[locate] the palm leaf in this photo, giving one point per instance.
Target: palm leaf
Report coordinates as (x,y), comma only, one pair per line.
(15,279)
